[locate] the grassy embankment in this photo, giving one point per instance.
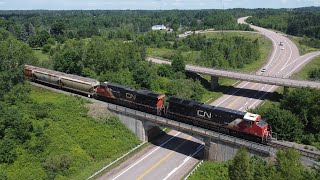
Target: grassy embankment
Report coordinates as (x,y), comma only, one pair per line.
(192,56)
(303,49)
(77,145)
(211,170)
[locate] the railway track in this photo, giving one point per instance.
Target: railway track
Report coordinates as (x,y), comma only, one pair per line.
(308,153)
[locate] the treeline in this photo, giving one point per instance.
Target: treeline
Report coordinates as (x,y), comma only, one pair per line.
(124,63)
(243,167)
(36,27)
(297,116)
(297,22)
(225,52)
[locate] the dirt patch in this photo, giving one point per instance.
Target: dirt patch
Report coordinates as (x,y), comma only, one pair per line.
(98,110)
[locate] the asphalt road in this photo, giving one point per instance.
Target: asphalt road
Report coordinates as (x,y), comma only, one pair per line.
(175,154)
(170,157)
(283,62)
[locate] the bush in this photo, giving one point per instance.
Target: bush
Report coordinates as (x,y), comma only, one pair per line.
(46,48)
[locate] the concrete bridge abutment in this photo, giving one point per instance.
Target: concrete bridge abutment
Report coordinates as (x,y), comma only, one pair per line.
(219,150)
(144,130)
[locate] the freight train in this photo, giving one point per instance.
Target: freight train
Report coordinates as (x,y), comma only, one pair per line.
(236,123)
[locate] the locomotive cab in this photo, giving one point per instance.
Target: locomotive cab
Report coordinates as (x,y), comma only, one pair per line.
(253,124)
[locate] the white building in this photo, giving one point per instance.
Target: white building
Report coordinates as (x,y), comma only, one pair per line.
(159,27)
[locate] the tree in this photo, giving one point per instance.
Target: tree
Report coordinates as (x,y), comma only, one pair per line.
(58,28)
(283,122)
(288,164)
(13,56)
(305,104)
(178,64)
(7,150)
(240,168)
(145,75)
(70,58)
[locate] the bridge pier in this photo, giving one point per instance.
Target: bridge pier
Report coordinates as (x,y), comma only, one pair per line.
(285,90)
(214,82)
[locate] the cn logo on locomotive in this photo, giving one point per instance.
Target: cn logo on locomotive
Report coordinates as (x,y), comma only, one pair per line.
(204,114)
(130,96)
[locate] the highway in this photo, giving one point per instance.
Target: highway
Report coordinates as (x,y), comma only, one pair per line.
(175,154)
(168,158)
(283,62)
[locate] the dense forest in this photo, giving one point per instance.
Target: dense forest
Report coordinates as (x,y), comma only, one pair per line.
(44,135)
(297,22)
(121,24)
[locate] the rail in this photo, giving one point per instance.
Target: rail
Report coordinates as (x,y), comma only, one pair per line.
(315,155)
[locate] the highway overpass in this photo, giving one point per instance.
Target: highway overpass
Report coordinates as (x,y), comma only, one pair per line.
(216,73)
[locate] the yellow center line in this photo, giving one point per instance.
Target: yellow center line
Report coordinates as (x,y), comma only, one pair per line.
(240,97)
(161,160)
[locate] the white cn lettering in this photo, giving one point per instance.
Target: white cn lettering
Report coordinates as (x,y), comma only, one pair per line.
(130,96)
(204,114)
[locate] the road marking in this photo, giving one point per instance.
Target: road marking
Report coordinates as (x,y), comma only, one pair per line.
(233,102)
(161,160)
(261,97)
(184,161)
(232,94)
(301,64)
(252,87)
(290,51)
(275,51)
(145,156)
(225,90)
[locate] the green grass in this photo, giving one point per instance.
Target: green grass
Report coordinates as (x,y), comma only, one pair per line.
(73,137)
(40,55)
(303,49)
(303,74)
(211,170)
(161,52)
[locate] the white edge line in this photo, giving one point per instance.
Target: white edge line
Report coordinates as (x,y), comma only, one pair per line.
(185,161)
(145,156)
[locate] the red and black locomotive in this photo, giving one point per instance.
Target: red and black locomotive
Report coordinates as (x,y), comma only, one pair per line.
(236,123)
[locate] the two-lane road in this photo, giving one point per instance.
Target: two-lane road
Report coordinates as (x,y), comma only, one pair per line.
(170,157)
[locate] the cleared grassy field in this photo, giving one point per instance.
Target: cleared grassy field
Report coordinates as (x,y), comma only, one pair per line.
(76,145)
(40,55)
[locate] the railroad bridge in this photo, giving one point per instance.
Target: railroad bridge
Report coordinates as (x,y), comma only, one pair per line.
(218,147)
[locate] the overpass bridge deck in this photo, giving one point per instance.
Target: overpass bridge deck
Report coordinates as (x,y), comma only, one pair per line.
(279,81)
